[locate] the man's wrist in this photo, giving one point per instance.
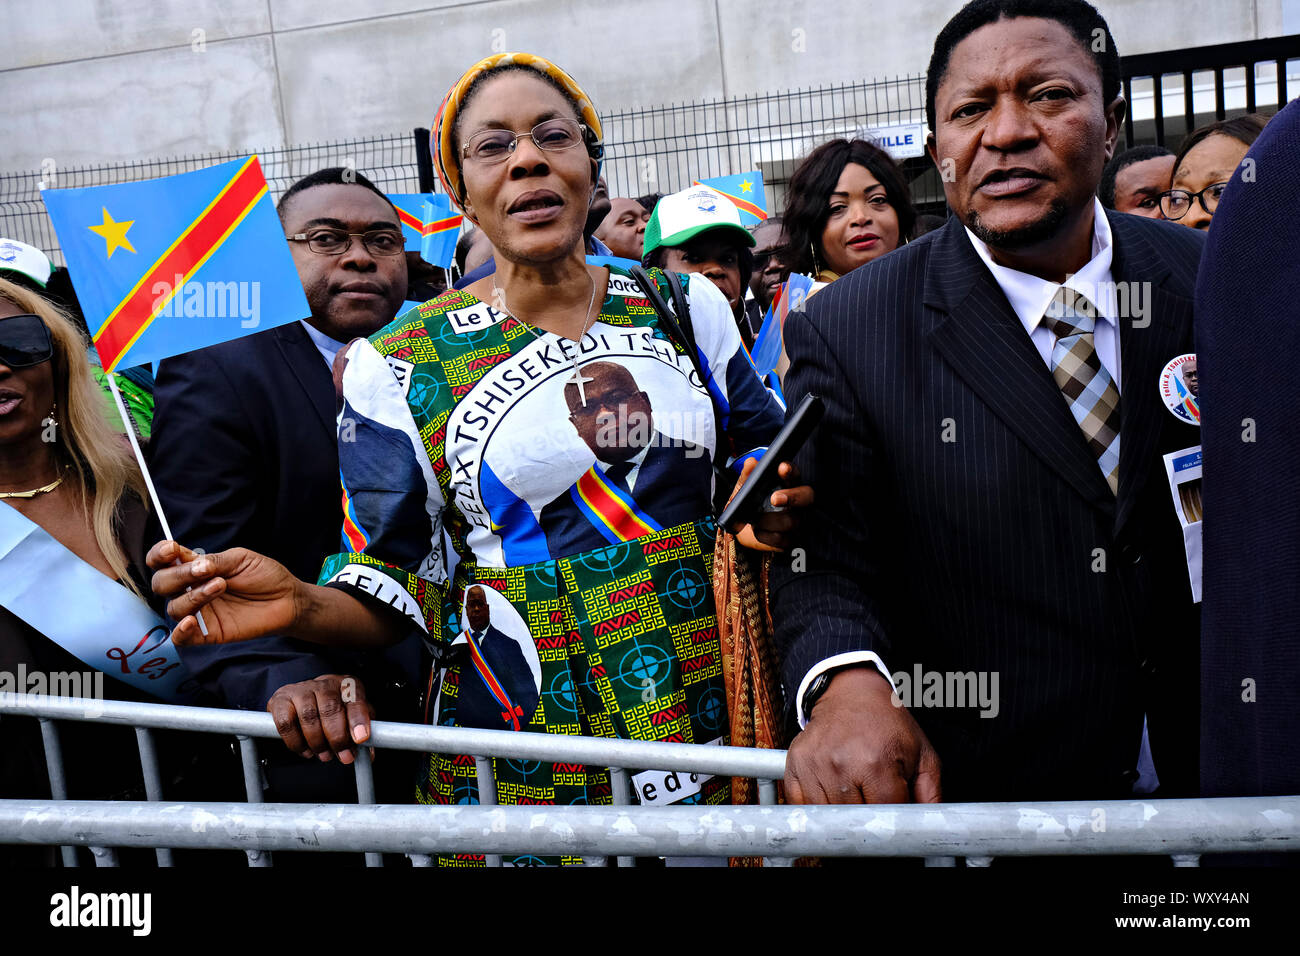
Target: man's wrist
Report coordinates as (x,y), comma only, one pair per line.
(854,677)
(307,609)
(830,664)
(817,688)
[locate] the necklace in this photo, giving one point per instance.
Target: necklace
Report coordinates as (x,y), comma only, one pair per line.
(577,378)
(35,491)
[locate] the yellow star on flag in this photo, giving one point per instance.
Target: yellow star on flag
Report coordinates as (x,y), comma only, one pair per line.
(746,186)
(114,234)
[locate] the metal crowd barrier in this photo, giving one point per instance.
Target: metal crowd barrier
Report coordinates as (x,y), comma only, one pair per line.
(941,833)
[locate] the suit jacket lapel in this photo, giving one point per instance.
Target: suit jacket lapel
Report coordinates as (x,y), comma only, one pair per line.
(1147,342)
(980,336)
(308,367)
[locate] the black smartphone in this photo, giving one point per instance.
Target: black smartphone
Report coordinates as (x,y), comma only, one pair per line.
(752,499)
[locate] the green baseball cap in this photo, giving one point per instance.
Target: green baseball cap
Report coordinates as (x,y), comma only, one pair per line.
(19,257)
(679,218)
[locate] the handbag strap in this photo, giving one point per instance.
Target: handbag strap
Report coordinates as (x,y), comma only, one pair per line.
(677,322)
(682,331)
(680,306)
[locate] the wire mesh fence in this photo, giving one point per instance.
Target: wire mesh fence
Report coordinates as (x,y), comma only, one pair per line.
(660,149)
(388,161)
(665,148)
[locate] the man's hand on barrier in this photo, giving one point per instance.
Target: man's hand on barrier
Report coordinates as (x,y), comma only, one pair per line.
(243,594)
(860,747)
(324,717)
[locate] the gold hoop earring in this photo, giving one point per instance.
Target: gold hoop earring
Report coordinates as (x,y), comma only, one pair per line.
(812,249)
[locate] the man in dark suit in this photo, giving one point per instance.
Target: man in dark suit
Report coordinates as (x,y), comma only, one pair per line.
(642,480)
(476,705)
(1248,331)
(244,454)
(991,498)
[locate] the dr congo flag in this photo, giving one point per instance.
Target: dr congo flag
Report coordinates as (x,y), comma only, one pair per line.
(429,225)
(745,190)
(170,265)
(410,212)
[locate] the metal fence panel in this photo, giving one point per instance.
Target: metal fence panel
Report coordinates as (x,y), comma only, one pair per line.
(643,755)
(1172,92)
(1155,827)
(940,833)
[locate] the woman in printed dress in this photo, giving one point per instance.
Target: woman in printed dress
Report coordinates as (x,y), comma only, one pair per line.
(545,424)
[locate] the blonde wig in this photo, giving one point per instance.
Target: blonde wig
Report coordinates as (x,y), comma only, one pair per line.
(100,461)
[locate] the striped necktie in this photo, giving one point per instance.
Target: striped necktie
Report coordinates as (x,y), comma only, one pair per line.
(1083,380)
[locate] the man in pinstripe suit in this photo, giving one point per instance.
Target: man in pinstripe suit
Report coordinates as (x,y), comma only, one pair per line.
(990,492)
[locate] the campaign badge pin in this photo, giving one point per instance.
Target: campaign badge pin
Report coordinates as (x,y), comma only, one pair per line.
(1180,388)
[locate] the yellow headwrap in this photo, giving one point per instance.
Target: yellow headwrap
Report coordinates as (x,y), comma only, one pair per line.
(441,146)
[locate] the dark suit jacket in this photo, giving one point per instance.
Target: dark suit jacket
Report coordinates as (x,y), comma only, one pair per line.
(475,705)
(244,455)
(1248,333)
(984,552)
(672,487)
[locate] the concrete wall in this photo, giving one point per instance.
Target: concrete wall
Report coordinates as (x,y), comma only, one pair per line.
(89,81)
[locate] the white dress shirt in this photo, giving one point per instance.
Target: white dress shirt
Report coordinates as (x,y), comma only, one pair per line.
(1030,296)
(327,346)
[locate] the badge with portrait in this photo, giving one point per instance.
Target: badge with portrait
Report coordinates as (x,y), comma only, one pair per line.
(1183,468)
(1180,392)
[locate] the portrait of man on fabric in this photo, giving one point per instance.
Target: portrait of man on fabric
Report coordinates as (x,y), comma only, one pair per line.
(641,478)
(458,418)
(500,684)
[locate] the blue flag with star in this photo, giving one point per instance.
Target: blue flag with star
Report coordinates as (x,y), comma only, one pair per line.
(165,266)
(746,191)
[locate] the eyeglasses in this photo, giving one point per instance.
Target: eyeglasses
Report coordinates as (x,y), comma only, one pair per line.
(614,401)
(24,341)
(329,242)
(1177,203)
(763,259)
(491,146)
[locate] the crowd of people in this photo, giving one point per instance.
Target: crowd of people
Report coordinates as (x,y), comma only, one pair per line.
(530,458)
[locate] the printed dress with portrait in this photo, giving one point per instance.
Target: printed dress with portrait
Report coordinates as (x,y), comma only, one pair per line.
(469,455)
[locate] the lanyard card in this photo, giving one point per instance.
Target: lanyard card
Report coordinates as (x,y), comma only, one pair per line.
(1183,468)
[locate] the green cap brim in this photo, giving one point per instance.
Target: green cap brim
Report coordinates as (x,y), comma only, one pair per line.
(24,273)
(686,235)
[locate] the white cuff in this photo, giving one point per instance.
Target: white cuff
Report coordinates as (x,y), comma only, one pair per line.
(839,660)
